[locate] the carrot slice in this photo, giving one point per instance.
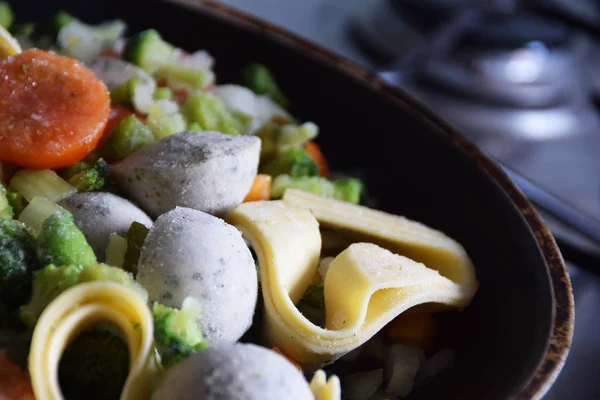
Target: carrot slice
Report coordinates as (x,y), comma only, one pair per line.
(276,350)
(52,110)
(413,327)
(314,151)
(260,189)
(15,383)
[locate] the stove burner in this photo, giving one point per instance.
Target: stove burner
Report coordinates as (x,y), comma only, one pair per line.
(517,75)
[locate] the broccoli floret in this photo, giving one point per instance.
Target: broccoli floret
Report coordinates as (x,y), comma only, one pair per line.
(50,281)
(176,332)
(148,50)
(18,260)
(60,242)
(6,210)
(16,200)
(212,114)
(59,20)
(136,235)
(94,365)
(129,136)
(260,80)
(6,15)
(349,190)
(294,162)
(91,177)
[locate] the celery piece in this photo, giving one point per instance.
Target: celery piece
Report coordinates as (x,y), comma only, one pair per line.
(6,15)
(164,124)
(313,184)
(212,114)
(148,50)
(41,183)
(122,95)
(37,211)
(293,135)
(6,210)
(136,235)
(129,136)
(178,75)
(116,250)
(162,93)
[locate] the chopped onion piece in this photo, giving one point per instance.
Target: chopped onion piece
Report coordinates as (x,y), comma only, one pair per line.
(402,363)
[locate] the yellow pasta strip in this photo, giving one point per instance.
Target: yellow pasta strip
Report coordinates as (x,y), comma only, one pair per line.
(324,389)
(79,308)
(365,288)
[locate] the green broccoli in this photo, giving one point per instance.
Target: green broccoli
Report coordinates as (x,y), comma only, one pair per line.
(314,295)
(212,114)
(6,15)
(148,50)
(349,190)
(178,75)
(90,178)
(16,201)
(50,281)
(294,162)
(122,94)
(136,235)
(6,210)
(129,136)
(18,260)
(176,332)
(280,134)
(260,80)
(60,242)
(59,20)
(94,365)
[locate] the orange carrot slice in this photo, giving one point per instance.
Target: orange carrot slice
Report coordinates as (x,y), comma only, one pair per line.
(52,110)
(314,151)
(413,327)
(15,383)
(261,188)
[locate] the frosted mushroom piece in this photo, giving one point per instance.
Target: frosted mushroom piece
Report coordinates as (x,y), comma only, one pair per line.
(207,171)
(99,214)
(191,253)
(238,371)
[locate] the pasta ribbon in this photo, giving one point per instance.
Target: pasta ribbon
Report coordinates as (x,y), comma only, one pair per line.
(77,309)
(366,286)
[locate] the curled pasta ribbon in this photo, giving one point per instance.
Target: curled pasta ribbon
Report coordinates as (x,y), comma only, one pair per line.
(77,309)
(324,389)
(366,285)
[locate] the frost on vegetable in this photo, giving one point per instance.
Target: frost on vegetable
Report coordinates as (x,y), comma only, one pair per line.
(177,75)
(293,162)
(130,135)
(164,119)
(83,41)
(206,171)
(191,253)
(149,51)
(349,190)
